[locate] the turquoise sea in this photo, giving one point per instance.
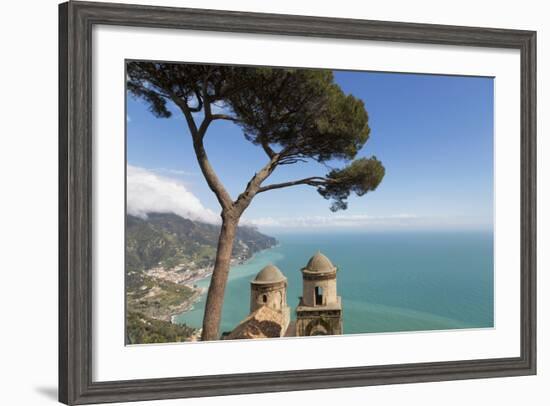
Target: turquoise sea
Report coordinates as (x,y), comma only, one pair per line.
(388,281)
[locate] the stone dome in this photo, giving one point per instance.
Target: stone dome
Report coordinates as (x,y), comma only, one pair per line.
(269,274)
(319,263)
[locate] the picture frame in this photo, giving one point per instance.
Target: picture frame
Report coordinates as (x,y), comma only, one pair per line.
(76,352)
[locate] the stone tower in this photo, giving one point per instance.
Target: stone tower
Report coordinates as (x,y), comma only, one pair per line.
(319,311)
(269,289)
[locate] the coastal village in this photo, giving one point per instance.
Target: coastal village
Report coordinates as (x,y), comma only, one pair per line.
(184,275)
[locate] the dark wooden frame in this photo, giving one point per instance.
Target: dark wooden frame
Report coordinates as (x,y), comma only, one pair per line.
(76,20)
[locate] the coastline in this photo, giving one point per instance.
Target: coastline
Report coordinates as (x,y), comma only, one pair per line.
(204,290)
(185,306)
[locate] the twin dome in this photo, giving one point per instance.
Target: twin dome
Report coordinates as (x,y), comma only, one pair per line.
(319,308)
(318,263)
(270,274)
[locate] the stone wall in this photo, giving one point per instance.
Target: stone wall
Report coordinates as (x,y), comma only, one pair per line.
(325,322)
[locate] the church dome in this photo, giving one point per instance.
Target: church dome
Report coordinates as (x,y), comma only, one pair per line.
(270,274)
(319,263)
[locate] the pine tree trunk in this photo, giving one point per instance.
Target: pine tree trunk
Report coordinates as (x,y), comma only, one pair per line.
(216,291)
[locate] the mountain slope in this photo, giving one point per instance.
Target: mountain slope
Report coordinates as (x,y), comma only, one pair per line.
(167,240)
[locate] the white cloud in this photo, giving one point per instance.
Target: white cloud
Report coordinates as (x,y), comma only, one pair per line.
(333,221)
(149,192)
(176,172)
(367,222)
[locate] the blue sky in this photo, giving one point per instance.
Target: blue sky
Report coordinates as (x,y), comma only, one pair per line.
(434,135)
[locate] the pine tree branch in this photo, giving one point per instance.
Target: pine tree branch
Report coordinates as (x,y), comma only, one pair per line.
(311,181)
(212,179)
(254,184)
(224,117)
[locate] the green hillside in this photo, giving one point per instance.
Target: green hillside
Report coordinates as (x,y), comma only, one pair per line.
(167,239)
